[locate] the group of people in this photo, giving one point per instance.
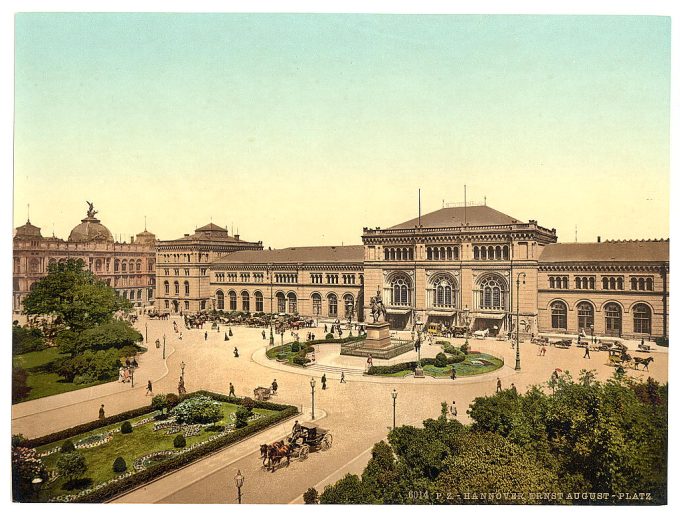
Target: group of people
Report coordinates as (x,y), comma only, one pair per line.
(126,372)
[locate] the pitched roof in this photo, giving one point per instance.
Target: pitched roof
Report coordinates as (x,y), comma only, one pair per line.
(211,228)
(607,251)
(303,254)
(27,230)
(456,216)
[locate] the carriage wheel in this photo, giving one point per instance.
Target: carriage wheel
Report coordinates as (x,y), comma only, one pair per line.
(304,452)
(327,442)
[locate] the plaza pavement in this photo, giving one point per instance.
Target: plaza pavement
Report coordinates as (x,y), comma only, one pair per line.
(358,413)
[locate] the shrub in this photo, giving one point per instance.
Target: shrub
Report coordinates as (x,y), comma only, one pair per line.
(159,402)
(214,428)
(311,496)
(281,356)
(67,447)
(301,360)
(197,410)
(90,366)
(119,465)
(18,440)
(248,403)
(25,339)
(440,361)
(330,336)
(456,357)
(442,342)
(465,348)
(20,389)
(179,441)
(71,465)
(242,416)
(171,400)
(126,427)
(295,347)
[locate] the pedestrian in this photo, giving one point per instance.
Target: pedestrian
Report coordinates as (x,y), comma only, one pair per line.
(578,341)
(205,336)
(275,386)
(230,332)
(180,336)
(121,374)
(323,381)
(454,411)
(314,356)
(342,377)
(235,352)
(325,328)
(232,393)
(512,387)
(226,338)
(587,354)
(498,385)
(453,373)
(264,335)
(149,388)
(543,350)
(102,416)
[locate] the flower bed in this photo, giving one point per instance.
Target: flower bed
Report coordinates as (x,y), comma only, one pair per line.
(151,459)
(94,440)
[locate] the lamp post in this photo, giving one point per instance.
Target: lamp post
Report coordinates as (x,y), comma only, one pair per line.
(36,483)
(466,320)
(312,383)
(517,364)
(146,332)
(239,484)
(350,311)
(394,408)
(271,305)
(182,366)
(132,377)
(592,334)
(163,346)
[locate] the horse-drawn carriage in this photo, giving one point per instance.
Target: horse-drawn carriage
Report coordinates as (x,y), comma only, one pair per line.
(562,343)
(305,438)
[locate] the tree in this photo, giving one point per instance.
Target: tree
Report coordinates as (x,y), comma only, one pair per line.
(73,296)
(71,465)
(26,339)
(349,490)
(242,416)
(311,496)
(112,334)
(159,402)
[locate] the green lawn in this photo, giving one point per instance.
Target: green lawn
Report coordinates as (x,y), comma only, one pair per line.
(143,440)
(42,382)
(464,369)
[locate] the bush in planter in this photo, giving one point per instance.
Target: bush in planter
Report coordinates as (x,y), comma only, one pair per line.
(179,441)
(126,427)
(281,356)
(67,447)
(330,336)
(440,361)
(301,360)
(197,410)
(119,465)
(456,357)
(295,347)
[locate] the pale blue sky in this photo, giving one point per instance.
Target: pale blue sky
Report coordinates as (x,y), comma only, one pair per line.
(302,129)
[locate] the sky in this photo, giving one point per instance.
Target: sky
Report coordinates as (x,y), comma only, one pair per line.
(303,129)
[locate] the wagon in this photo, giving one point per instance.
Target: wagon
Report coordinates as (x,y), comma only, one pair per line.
(261,393)
(563,343)
(310,437)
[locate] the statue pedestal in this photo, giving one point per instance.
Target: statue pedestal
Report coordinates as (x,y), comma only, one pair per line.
(419,372)
(377,335)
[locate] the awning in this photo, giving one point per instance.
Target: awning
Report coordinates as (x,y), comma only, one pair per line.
(441,313)
(397,311)
(490,316)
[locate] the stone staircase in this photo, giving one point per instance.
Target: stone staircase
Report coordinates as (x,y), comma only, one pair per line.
(322,368)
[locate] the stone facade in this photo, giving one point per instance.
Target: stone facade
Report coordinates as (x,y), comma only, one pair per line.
(182,275)
(127,267)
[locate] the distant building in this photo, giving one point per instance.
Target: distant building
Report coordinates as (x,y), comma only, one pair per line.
(182,274)
(127,267)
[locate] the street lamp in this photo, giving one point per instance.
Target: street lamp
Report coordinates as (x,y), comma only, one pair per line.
(524,277)
(312,383)
(350,311)
(271,305)
(146,332)
(182,366)
(132,377)
(466,320)
(592,333)
(163,346)
(394,408)
(239,484)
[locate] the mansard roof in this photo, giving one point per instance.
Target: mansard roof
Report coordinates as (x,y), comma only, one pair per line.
(457,216)
(607,251)
(302,254)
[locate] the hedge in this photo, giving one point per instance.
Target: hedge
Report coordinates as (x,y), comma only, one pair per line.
(133,413)
(400,367)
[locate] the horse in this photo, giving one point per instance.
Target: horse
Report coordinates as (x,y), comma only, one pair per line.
(276,452)
(264,449)
(644,362)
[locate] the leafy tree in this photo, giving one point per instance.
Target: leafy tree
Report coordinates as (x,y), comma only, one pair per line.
(311,496)
(197,410)
(90,366)
(71,465)
(242,416)
(349,490)
(73,296)
(26,339)
(160,402)
(20,389)
(113,334)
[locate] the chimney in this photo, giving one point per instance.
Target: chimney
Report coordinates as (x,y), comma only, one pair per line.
(186,235)
(236,236)
(598,239)
(132,239)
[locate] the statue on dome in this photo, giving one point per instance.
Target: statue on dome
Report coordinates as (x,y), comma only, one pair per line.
(91,212)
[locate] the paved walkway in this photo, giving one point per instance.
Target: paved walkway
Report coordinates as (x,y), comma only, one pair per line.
(358,413)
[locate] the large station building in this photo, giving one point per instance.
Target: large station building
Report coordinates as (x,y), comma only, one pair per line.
(464,265)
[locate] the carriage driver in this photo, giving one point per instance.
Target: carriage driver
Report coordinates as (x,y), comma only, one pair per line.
(297,429)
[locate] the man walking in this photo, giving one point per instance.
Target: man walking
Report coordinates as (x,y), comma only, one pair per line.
(232,393)
(342,377)
(454,411)
(323,381)
(498,385)
(102,416)
(149,388)
(275,386)
(205,336)
(453,373)
(264,335)
(587,354)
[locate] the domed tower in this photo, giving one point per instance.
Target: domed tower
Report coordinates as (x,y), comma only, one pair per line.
(27,232)
(90,229)
(145,238)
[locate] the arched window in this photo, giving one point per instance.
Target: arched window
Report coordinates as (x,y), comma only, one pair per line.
(506,252)
(245,301)
(280,302)
(232,301)
(483,256)
(476,252)
(166,287)
(558,282)
(429,253)
(456,253)
(176,287)
(558,313)
(332,305)
(612,319)
(220,300)
(491,253)
(619,283)
(551,281)
(387,254)
(633,284)
(492,293)
(292,303)
(400,290)
(316,304)
(124,267)
(349,305)
(591,282)
(649,284)
(98,265)
(443,292)
(578,282)
(116,265)
(259,302)
(585,315)
(605,283)
(642,319)
(139,266)
(186,288)
(449,253)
